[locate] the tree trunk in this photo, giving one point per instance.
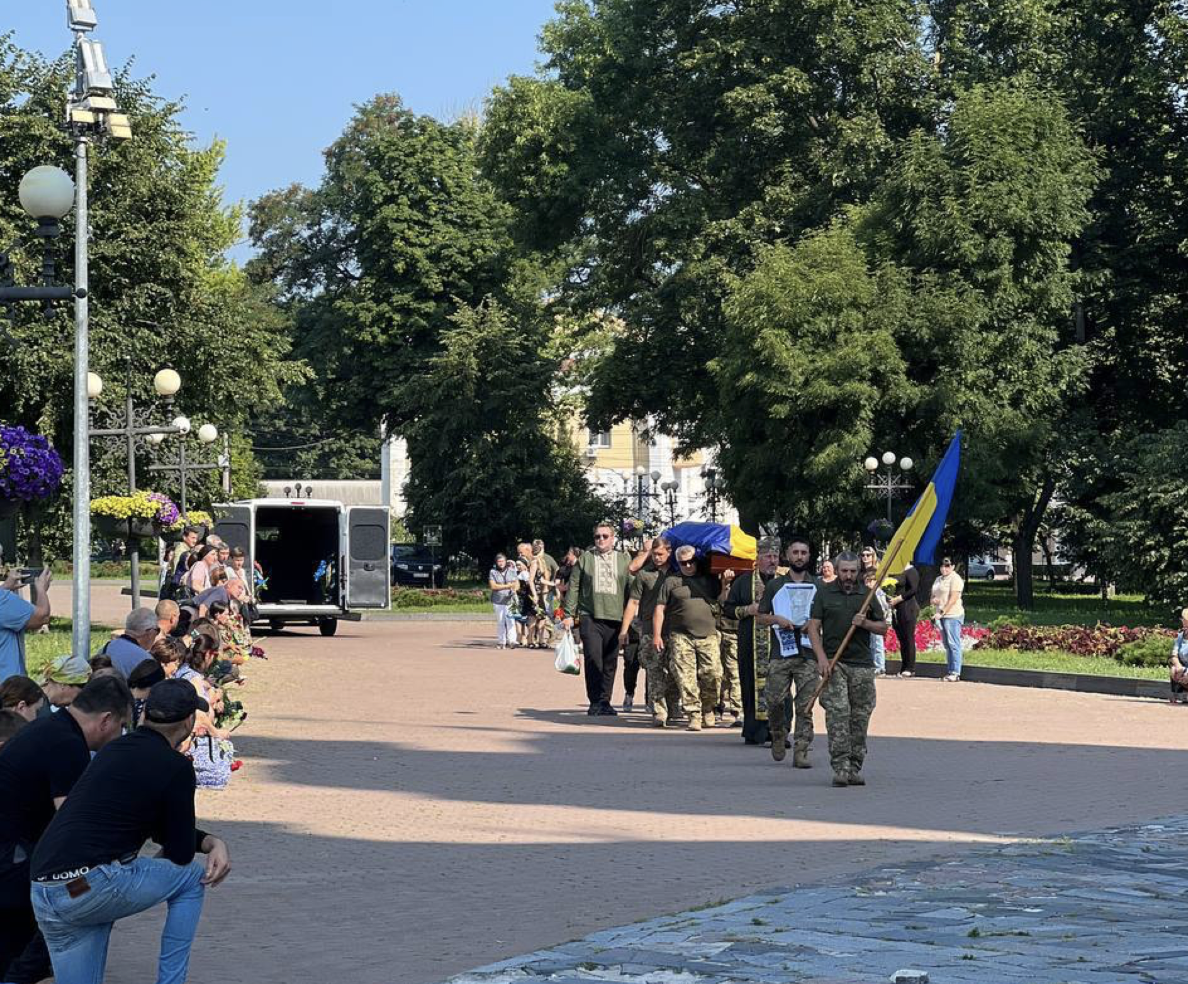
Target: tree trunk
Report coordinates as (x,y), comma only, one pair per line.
(1023,544)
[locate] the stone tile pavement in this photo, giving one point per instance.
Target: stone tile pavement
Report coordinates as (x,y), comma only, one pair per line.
(1107,907)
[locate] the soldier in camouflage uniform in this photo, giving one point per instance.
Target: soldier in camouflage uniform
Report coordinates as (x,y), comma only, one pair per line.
(687,603)
(663,694)
(792,664)
(849,694)
(730,699)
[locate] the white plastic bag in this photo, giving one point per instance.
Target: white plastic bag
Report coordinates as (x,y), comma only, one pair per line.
(567,656)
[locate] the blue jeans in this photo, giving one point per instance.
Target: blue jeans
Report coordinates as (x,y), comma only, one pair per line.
(951,635)
(77,930)
(878,651)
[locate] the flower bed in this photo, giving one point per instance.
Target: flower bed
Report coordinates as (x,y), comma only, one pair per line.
(30,469)
(1079,640)
(928,637)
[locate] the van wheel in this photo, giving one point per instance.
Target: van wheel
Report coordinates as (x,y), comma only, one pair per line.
(275,625)
(328,626)
(991,576)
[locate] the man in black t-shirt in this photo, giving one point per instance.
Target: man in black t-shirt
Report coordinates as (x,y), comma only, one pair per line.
(685,624)
(38,770)
(87,873)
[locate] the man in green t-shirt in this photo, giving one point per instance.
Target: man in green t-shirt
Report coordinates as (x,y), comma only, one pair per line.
(597,594)
(849,694)
(685,625)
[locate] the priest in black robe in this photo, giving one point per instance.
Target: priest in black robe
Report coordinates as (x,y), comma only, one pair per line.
(754,640)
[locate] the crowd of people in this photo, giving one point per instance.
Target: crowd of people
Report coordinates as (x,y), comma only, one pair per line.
(747,648)
(99,755)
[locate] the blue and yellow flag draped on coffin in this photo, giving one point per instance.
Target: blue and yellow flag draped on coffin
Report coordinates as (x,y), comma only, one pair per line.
(707,538)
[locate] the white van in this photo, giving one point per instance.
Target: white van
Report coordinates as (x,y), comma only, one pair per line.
(321,561)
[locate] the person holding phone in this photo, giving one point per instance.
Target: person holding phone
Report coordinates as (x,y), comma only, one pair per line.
(18,616)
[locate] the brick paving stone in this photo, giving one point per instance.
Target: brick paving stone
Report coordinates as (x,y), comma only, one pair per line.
(1118,930)
(415,803)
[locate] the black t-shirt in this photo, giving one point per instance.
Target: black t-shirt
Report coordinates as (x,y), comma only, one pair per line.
(689,604)
(38,764)
(137,788)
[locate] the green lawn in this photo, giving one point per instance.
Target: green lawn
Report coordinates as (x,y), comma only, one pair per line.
(454,598)
(1066,606)
(43,647)
(1009,659)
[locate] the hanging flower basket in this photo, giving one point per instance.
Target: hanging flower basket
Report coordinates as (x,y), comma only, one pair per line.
(30,470)
(124,529)
(197,518)
(135,516)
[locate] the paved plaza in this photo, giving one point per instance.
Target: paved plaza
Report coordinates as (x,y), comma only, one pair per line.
(416,804)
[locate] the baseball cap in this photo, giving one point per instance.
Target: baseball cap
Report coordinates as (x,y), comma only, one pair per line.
(171,701)
(73,671)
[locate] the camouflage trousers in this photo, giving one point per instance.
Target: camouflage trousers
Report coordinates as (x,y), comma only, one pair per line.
(782,674)
(663,693)
(731,695)
(697,666)
(849,700)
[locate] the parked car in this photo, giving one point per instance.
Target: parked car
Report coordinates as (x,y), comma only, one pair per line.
(987,568)
(417,566)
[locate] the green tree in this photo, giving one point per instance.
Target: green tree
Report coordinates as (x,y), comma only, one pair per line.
(495,462)
(407,294)
(161,291)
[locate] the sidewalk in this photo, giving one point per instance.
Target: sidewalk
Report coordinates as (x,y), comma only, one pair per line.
(1100,908)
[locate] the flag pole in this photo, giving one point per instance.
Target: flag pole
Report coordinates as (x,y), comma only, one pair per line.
(888,558)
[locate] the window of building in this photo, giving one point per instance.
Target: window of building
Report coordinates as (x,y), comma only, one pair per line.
(600,439)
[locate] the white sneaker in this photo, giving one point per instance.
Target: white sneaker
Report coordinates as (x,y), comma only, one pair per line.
(952,678)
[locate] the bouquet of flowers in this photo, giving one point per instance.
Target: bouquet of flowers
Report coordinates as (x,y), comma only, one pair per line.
(631,527)
(151,506)
(29,468)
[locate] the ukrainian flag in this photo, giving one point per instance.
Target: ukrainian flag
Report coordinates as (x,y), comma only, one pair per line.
(920,532)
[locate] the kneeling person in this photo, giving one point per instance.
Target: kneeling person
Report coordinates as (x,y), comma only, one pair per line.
(849,694)
(685,611)
(86,870)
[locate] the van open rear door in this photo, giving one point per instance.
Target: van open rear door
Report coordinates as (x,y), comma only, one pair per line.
(368,574)
(236,525)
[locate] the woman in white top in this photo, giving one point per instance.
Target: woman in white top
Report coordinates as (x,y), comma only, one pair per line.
(948,610)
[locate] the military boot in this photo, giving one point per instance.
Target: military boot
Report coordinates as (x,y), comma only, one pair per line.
(658,720)
(694,723)
(779,747)
(841,779)
(800,759)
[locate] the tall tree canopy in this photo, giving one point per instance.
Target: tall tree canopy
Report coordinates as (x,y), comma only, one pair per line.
(395,272)
(162,293)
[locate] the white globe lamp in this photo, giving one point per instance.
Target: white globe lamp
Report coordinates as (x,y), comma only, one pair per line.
(167,382)
(888,457)
(94,385)
(871,464)
(208,433)
(906,464)
(46,192)
(182,424)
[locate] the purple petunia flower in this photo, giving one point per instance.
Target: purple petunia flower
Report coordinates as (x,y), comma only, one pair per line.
(29,468)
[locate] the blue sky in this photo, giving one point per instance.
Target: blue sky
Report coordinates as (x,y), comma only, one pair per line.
(277,79)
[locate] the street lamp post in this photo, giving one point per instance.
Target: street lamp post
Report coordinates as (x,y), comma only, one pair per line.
(207,434)
(888,483)
(129,428)
(713,491)
(91,112)
(670,490)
